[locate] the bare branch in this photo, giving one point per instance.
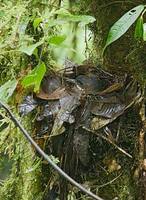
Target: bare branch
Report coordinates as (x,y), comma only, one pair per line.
(45,156)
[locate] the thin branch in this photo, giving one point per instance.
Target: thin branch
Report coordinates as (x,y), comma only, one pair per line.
(103,185)
(110,182)
(118,130)
(111,142)
(45,156)
(115,145)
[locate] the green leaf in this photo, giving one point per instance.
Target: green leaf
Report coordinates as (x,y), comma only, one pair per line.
(35,53)
(57,40)
(83,19)
(62,12)
(7,90)
(36,22)
(54,159)
(139,28)
(33,168)
(35,77)
(123,24)
(30,49)
(67,16)
(144,31)
(54,22)
(29,80)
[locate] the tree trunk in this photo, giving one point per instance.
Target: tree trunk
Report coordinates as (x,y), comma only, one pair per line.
(126,55)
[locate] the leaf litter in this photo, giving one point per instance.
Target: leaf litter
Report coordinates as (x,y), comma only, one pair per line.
(72,107)
(102,97)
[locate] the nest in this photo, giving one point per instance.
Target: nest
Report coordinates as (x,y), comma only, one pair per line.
(74,108)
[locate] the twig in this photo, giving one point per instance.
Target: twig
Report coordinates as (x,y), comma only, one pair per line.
(118,130)
(108,183)
(115,145)
(103,185)
(45,156)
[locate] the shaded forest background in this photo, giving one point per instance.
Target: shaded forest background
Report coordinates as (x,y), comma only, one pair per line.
(36,32)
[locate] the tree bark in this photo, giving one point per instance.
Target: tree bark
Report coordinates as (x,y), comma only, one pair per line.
(125,54)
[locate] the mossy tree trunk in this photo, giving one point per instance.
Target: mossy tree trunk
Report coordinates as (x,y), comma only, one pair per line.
(126,55)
